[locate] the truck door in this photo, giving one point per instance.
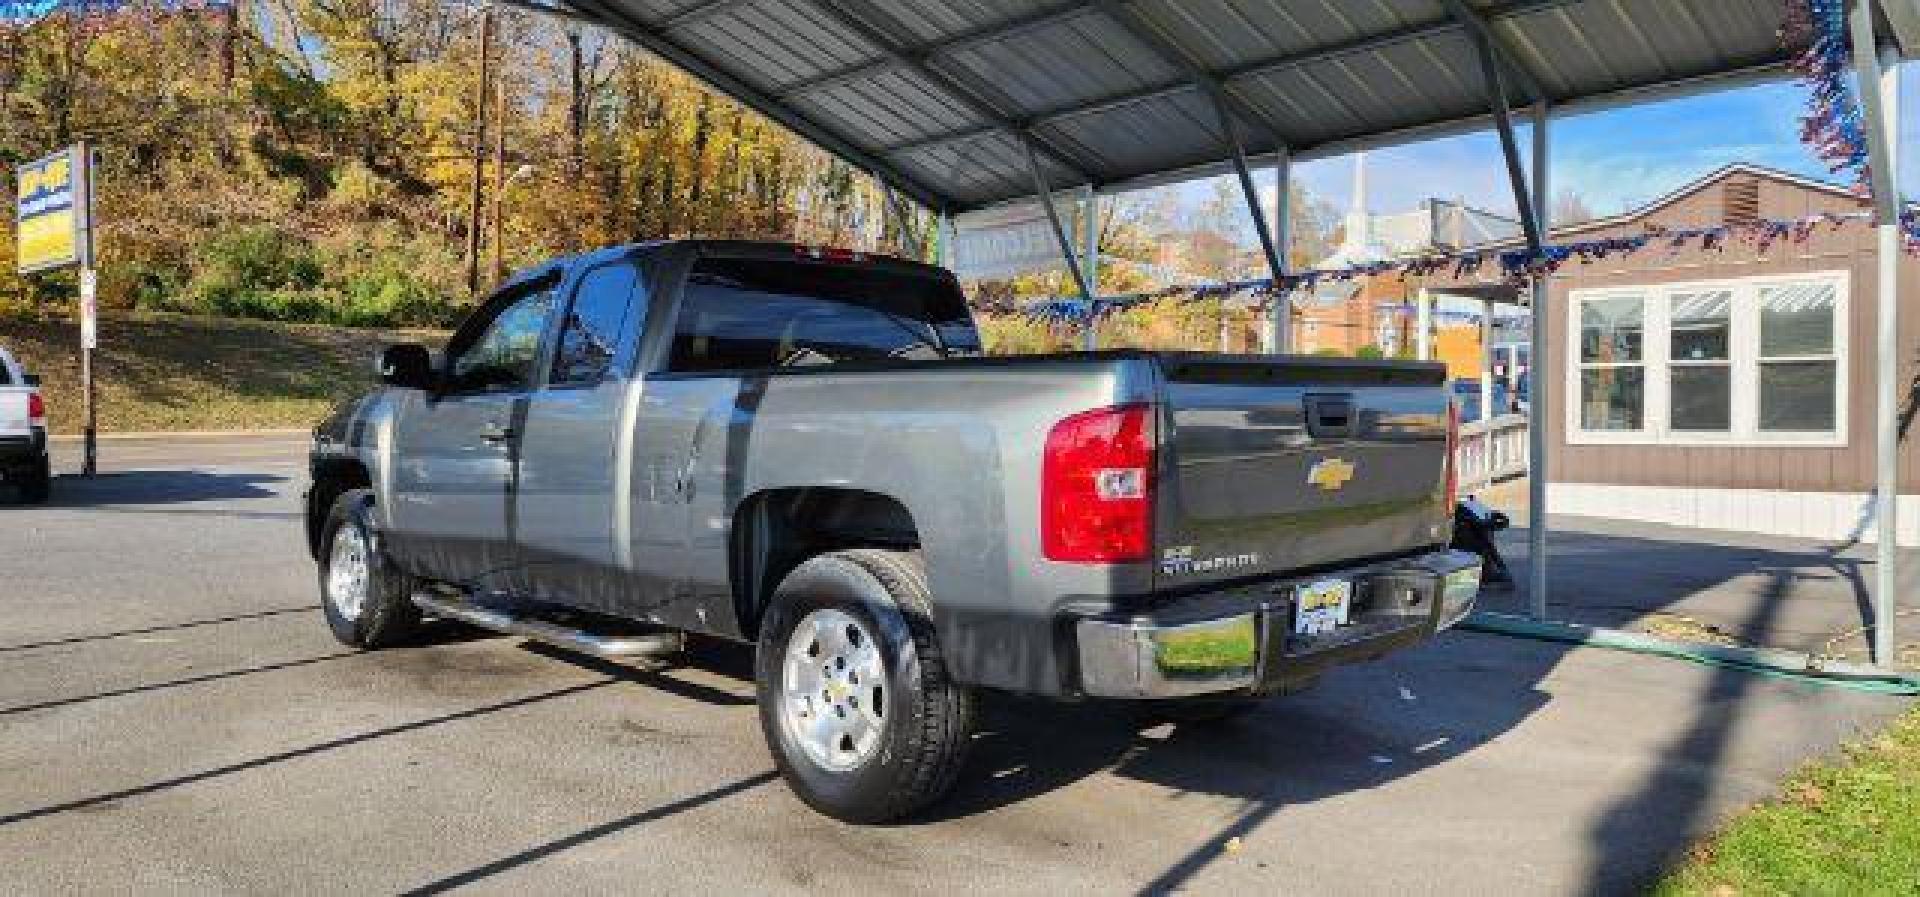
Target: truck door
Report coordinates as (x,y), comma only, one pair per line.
(454,447)
(570,488)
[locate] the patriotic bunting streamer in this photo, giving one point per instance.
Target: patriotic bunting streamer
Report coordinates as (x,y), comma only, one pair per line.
(1823,56)
(1515,266)
(1834,127)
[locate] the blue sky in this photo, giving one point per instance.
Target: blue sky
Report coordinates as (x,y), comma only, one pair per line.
(1614,160)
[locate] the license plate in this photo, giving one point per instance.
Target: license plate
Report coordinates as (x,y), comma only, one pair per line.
(1321,606)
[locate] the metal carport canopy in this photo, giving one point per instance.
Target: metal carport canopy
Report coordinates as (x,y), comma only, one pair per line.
(943,99)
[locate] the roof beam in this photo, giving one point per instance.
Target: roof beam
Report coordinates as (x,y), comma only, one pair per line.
(1526,197)
(1502,48)
(1510,10)
(947,46)
(1174,55)
(699,12)
(966,94)
(1249,70)
(659,44)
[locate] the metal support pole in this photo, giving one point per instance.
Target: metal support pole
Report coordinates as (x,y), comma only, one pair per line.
(1532,206)
(1276,338)
(906,231)
(1065,241)
(1423,325)
(89,311)
(1880,103)
(945,250)
(1275,265)
(1486,360)
(1537,412)
(1090,256)
(1090,263)
(1510,149)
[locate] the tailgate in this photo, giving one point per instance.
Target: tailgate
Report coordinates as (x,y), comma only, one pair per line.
(1276,465)
(13,411)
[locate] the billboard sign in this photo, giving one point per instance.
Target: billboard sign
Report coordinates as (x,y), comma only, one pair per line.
(51,209)
(1003,242)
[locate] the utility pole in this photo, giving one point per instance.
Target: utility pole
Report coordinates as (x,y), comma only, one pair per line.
(479,151)
(499,178)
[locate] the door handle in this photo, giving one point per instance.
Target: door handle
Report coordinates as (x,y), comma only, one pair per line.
(496,433)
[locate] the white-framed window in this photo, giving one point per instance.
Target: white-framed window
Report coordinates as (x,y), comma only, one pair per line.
(1751,361)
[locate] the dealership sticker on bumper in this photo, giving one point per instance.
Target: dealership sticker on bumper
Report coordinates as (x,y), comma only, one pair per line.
(1321,606)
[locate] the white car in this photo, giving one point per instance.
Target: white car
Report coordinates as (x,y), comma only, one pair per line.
(23,432)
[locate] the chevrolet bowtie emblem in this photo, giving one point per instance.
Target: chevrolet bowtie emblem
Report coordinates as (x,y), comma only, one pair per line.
(1331,473)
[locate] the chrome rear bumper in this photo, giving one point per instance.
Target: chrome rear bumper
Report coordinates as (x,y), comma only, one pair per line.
(1252,646)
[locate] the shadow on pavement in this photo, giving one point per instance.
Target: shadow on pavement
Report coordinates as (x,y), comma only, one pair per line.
(177,683)
(165,487)
(557,845)
(296,753)
(1653,821)
(162,627)
(1362,728)
(1758,591)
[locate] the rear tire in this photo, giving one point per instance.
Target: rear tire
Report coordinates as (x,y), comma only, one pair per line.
(368,602)
(38,485)
(855,700)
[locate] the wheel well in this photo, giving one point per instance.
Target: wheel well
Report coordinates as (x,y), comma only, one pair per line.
(774,531)
(331,479)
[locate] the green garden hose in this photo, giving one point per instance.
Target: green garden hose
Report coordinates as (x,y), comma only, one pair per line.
(1760,662)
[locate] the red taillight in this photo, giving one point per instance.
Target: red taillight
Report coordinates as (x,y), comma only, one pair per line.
(1096,487)
(829,254)
(1453,456)
(36,410)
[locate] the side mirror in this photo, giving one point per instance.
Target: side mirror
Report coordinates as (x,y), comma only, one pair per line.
(31,379)
(406,365)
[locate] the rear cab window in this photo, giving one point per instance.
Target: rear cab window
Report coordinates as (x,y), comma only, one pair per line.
(756,314)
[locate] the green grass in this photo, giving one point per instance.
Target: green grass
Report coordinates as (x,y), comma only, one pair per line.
(1850,828)
(177,372)
(1209,650)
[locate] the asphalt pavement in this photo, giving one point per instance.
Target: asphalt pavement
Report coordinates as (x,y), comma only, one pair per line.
(175,717)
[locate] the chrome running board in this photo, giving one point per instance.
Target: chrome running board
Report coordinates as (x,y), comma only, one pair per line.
(617,647)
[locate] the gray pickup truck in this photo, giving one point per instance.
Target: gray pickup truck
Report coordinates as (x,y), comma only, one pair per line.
(807,450)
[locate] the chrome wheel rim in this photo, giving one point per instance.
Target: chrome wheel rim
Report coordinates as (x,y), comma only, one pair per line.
(834,690)
(348,571)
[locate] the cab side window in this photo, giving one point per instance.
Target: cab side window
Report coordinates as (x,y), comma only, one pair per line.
(505,355)
(605,309)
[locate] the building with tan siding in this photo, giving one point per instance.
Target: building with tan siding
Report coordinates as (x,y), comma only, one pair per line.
(1728,387)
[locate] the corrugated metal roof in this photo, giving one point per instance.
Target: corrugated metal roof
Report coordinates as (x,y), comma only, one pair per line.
(939,96)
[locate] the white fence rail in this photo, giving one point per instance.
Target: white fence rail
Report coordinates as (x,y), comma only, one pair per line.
(1492,450)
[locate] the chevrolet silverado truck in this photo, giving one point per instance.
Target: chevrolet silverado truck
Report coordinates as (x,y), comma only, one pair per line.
(807,450)
(23,433)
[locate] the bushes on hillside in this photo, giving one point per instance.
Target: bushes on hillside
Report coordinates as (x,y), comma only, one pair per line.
(366,277)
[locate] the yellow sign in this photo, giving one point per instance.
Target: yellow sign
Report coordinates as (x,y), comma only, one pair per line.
(1331,474)
(52,212)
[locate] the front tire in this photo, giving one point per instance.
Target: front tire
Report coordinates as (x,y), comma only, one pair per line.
(855,700)
(368,601)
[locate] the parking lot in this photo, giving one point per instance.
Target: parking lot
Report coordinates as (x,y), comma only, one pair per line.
(174,716)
